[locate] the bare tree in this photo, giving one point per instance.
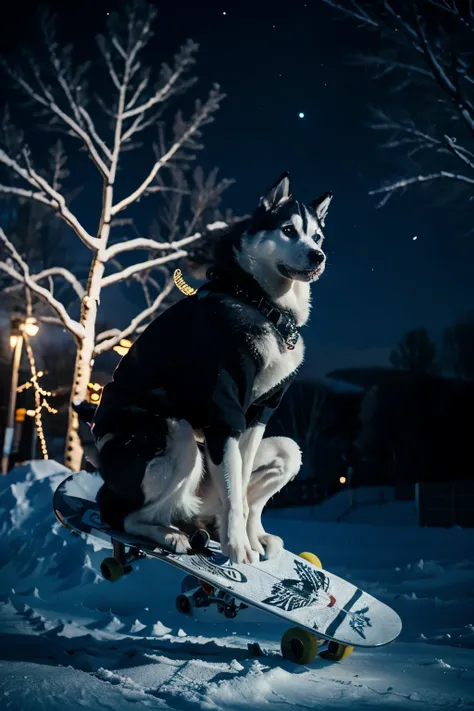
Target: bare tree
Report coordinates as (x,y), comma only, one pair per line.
(458,349)
(415,353)
(106,126)
(427,48)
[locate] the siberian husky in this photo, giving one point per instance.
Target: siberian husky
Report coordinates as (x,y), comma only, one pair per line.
(180,429)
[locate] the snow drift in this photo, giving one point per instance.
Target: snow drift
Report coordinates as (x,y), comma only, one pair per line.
(69,639)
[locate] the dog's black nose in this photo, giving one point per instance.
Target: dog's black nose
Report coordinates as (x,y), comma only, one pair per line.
(315,257)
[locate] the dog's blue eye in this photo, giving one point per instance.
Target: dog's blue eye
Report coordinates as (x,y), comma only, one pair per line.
(289,231)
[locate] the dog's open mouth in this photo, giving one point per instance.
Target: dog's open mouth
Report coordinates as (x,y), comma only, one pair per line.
(299,274)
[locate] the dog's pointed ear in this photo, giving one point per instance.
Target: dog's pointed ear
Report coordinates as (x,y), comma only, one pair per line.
(279,193)
(321,206)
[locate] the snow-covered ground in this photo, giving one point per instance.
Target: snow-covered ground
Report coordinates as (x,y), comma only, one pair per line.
(70,640)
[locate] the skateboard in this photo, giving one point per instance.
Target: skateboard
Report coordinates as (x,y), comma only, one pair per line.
(330,616)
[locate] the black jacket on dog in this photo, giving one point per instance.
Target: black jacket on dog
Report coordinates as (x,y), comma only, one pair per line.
(194,362)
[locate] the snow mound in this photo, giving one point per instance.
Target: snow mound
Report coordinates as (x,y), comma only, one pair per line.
(71,640)
(369,505)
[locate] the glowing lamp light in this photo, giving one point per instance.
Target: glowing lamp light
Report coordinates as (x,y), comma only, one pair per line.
(94,392)
(31,326)
(13,341)
(342,479)
(301,114)
(20,414)
(123,347)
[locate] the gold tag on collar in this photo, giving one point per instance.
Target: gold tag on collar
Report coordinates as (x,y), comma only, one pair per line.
(181,284)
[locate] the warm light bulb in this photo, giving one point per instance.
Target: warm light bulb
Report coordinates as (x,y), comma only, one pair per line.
(121,351)
(123,347)
(31,327)
(342,479)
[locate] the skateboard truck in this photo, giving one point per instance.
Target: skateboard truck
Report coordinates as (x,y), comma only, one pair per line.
(114,567)
(197,593)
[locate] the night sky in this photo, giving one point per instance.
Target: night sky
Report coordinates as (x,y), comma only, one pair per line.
(275,60)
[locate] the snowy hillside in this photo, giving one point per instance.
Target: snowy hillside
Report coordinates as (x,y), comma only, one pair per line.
(71,640)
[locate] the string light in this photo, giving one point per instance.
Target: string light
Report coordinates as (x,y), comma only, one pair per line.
(39,392)
(31,382)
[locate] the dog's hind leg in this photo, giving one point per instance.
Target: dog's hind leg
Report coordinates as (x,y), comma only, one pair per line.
(169,489)
(137,524)
(277,461)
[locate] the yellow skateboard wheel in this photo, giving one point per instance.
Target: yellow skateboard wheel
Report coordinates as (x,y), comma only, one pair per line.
(112,569)
(337,652)
(299,646)
(311,558)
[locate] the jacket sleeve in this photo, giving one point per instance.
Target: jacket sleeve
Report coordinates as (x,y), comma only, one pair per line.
(231,392)
(261,411)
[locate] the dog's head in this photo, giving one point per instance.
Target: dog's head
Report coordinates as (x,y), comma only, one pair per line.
(285,236)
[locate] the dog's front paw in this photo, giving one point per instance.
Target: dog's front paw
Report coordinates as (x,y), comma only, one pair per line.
(236,545)
(238,552)
(272,545)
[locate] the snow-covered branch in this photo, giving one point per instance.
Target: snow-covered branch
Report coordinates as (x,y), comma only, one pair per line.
(107,343)
(183,60)
(47,101)
(51,272)
(152,244)
(447,83)
(30,194)
(24,277)
(47,195)
(387,190)
(202,115)
(51,321)
(430,43)
(140,267)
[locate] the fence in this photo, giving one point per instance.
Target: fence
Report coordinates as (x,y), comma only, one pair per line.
(445,504)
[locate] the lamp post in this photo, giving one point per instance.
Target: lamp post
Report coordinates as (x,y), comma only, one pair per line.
(18,326)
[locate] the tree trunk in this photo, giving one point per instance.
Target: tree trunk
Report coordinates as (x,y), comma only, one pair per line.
(83,366)
(82,374)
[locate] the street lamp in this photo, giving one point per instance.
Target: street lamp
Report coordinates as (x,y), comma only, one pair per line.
(17,328)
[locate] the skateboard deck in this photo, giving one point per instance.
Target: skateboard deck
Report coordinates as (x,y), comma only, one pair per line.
(288,586)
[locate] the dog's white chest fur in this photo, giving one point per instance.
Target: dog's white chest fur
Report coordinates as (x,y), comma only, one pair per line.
(278,363)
